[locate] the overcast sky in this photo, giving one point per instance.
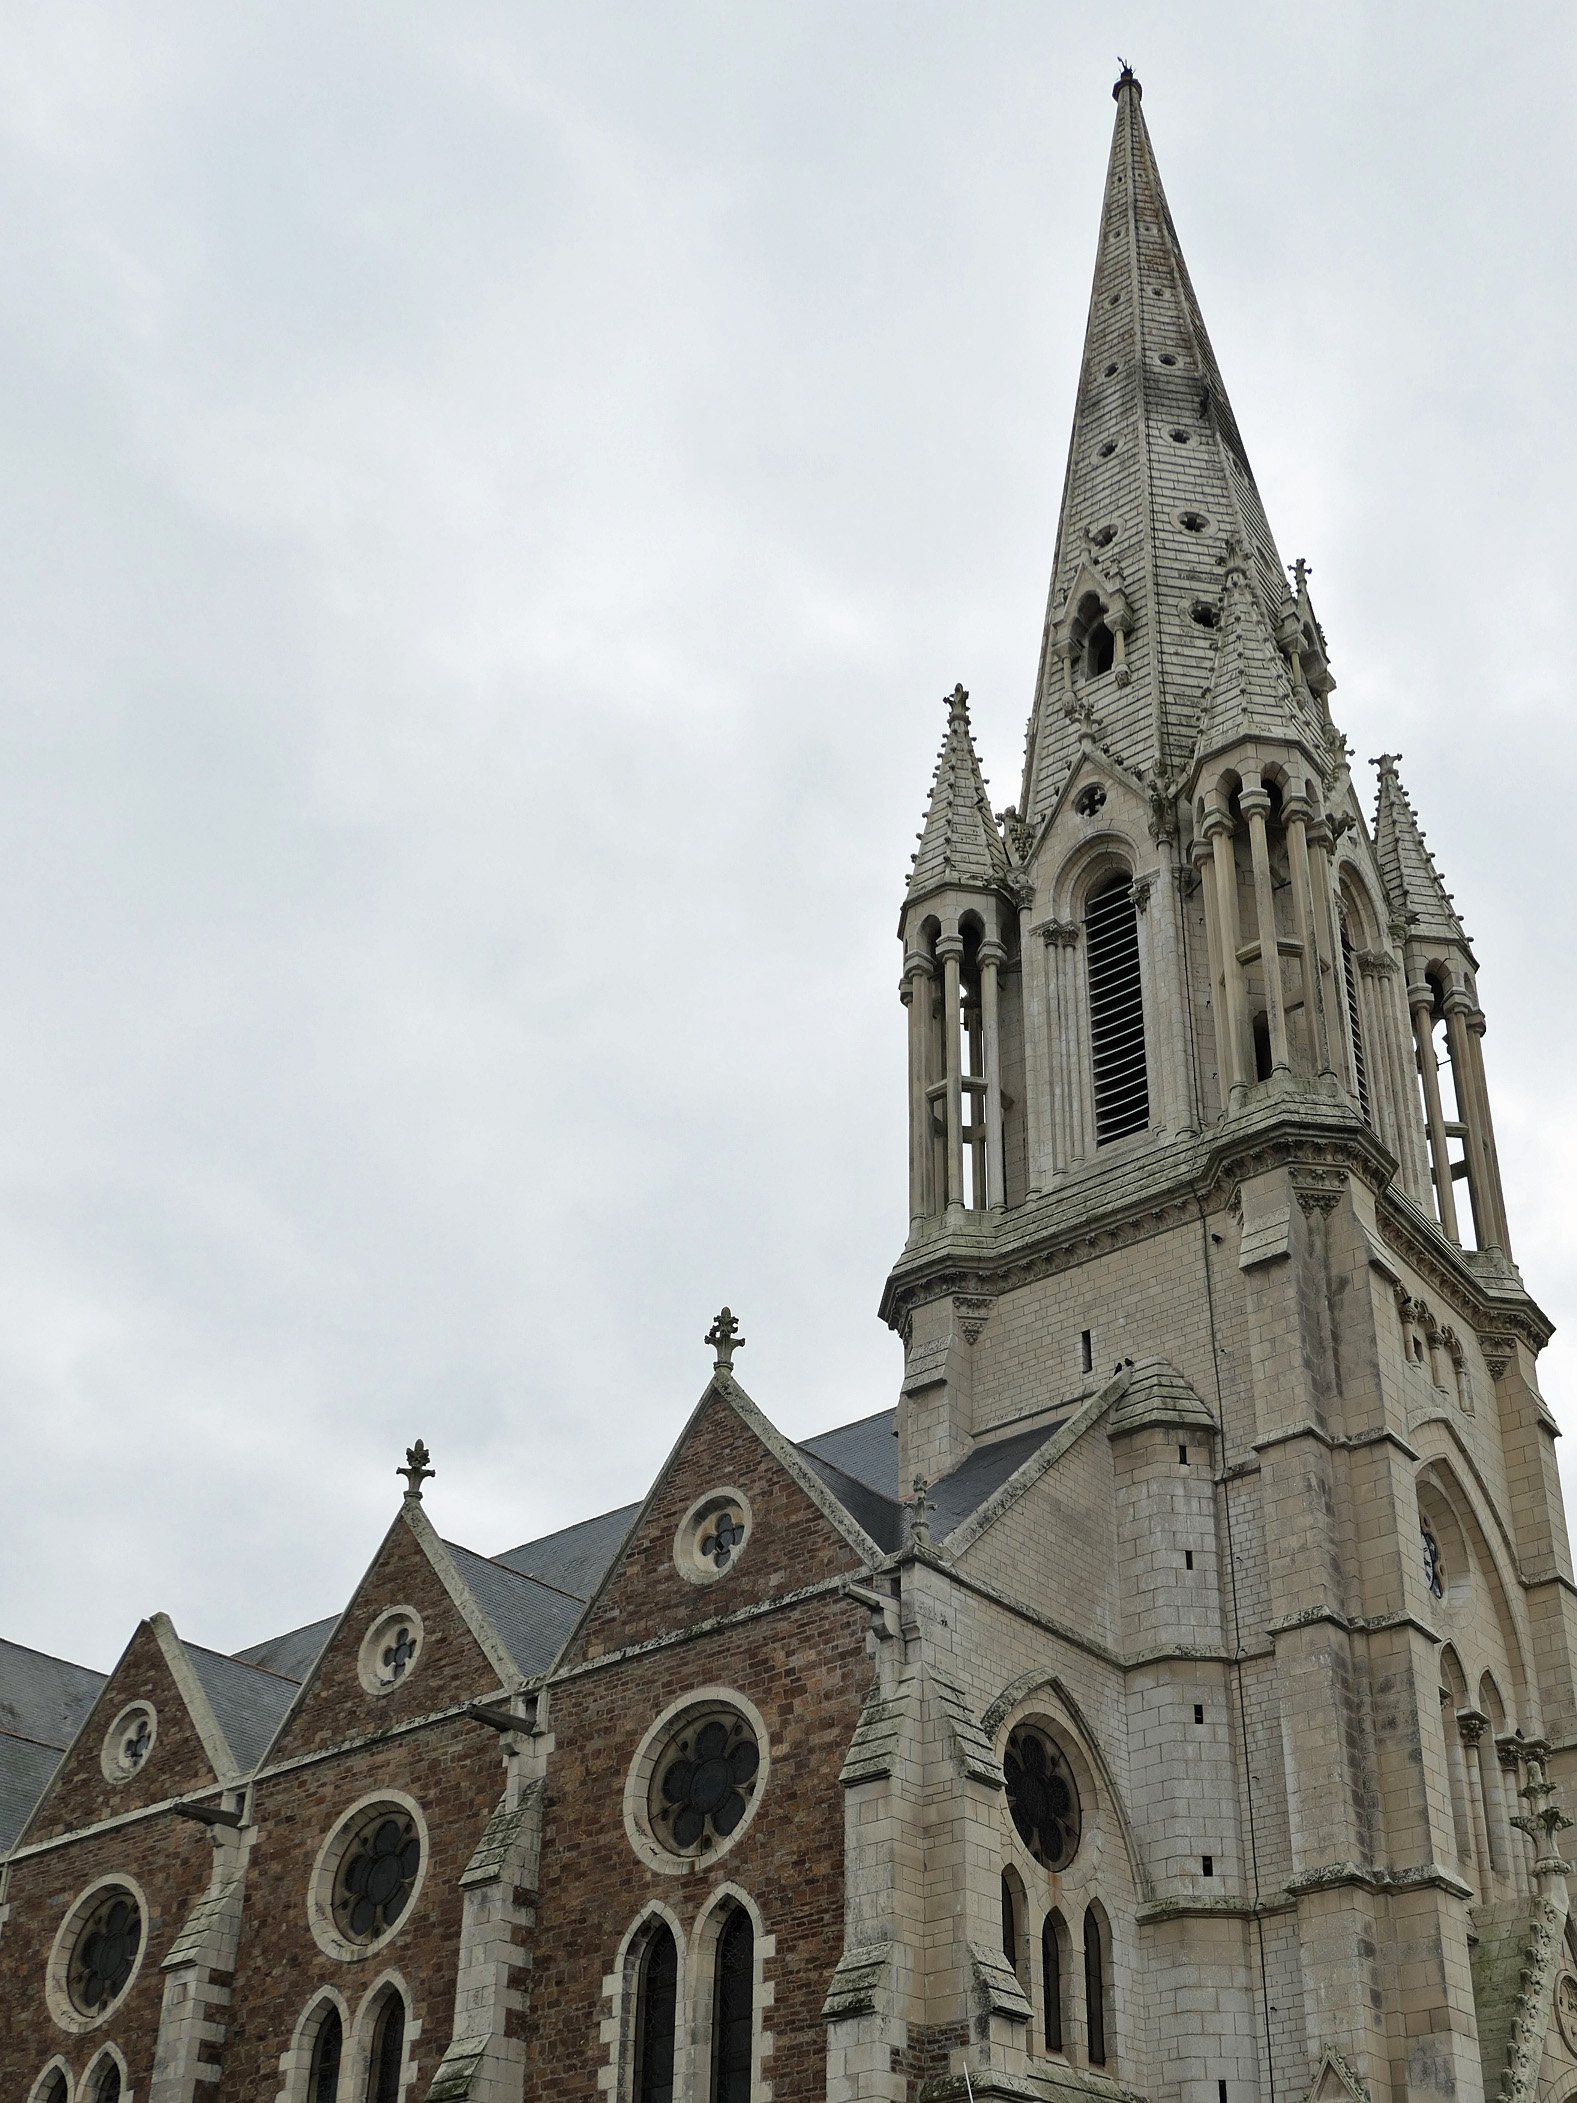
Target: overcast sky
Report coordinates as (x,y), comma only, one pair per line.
(492,498)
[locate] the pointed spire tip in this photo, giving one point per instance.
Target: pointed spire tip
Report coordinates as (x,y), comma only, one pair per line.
(1126,79)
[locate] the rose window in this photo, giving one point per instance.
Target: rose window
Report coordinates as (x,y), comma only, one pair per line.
(106,1949)
(377,1871)
(703,1782)
(1042,1797)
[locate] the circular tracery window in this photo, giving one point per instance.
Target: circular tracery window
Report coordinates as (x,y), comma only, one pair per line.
(1434,1566)
(1042,1797)
(105,1953)
(703,1782)
(390,1649)
(129,1741)
(377,1873)
(712,1536)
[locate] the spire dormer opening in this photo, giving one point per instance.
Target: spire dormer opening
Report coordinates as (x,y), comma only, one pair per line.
(1093,647)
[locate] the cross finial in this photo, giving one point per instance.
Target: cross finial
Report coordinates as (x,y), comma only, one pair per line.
(1386,763)
(725,1339)
(416,1471)
(918,1504)
(1301,572)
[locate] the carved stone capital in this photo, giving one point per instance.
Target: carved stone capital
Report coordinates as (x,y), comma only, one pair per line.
(1254,801)
(1139,890)
(972,1310)
(1471,1725)
(1499,1352)
(1061,933)
(1319,1189)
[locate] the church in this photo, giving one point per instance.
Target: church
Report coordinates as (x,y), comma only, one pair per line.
(1171,1696)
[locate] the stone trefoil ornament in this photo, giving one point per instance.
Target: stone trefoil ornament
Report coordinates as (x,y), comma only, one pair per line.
(725,1339)
(417,1470)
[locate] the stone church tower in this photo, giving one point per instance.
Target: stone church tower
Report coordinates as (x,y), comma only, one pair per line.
(1202,1164)
(1167,1699)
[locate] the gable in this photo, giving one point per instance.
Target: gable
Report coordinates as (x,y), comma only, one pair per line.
(451,1665)
(792,1539)
(178,1763)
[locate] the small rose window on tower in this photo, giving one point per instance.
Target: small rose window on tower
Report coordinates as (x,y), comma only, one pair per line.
(703,1782)
(1434,1567)
(1043,1797)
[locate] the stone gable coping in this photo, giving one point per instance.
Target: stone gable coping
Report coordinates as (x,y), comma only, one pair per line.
(1024,1477)
(860,1976)
(205,1916)
(198,1706)
(466,1603)
(873,1750)
(504,1832)
(725,1387)
(997,1985)
(975,1753)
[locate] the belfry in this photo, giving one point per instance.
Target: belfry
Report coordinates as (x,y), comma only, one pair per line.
(1172,1696)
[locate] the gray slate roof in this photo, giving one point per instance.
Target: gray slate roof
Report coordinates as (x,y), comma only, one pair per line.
(44,1698)
(532,1618)
(293,1654)
(985,1471)
(866,1449)
(577,1557)
(249,1703)
(25,1769)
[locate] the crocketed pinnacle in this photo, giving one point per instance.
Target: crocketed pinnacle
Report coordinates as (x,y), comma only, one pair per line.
(960,843)
(1251,692)
(1408,868)
(1158,483)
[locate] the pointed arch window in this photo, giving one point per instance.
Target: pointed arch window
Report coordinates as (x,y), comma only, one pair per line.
(328,2049)
(1052,1976)
(656,2007)
(55,2089)
(388,2053)
(1094,1989)
(1122,1080)
(107,2084)
(733,2010)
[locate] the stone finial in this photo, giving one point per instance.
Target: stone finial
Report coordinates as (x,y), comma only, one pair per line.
(1127,78)
(416,1471)
(725,1339)
(1544,1821)
(918,1505)
(957,704)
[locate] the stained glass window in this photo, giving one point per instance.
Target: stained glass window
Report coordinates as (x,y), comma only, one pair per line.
(388,2053)
(654,2020)
(1051,1981)
(1094,1989)
(1434,1568)
(703,1782)
(372,1887)
(1042,1797)
(733,2010)
(106,1950)
(323,2085)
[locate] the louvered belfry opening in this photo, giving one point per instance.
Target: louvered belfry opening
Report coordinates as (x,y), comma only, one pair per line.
(1350,982)
(1122,1081)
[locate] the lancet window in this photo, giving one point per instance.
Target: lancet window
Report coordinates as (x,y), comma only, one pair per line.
(387,2058)
(733,2009)
(1095,1978)
(327,2051)
(656,2008)
(1053,1979)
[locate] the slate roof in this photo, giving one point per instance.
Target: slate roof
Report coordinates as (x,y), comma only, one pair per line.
(975,1479)
(532,1618)
(248,1702)
(293,1654)
(44,1698)
(1412,881)
(576,1558)
(43,1703)
(25,1769)
(959,842)
(866,1449)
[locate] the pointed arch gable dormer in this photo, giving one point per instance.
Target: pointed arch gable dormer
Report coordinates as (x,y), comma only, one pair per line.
(1090,634)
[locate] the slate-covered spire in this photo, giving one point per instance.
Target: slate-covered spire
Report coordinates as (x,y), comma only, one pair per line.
(1407,866)
(961,843)
(1157,485)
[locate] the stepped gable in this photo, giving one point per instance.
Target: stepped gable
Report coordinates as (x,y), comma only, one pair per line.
(1157,484)
(960,842)
(1412,881)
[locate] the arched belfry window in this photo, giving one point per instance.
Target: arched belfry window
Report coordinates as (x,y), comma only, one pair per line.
(733,2010)
(1354,1025)
(656,2007)
(327,2050)
(1122,1081)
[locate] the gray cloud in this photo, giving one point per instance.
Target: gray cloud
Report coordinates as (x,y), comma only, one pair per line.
(492,500)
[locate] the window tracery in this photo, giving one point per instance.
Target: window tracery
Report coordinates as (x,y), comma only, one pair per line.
(1043,1798)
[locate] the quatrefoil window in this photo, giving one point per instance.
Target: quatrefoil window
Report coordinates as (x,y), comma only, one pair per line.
(128,1742)
(390,1649)
(712,1536)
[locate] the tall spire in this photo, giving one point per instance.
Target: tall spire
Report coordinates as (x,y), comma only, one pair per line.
(1408,868)
(1158,484)
(960,843)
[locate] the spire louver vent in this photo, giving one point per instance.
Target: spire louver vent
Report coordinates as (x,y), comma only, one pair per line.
(1122,1085)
